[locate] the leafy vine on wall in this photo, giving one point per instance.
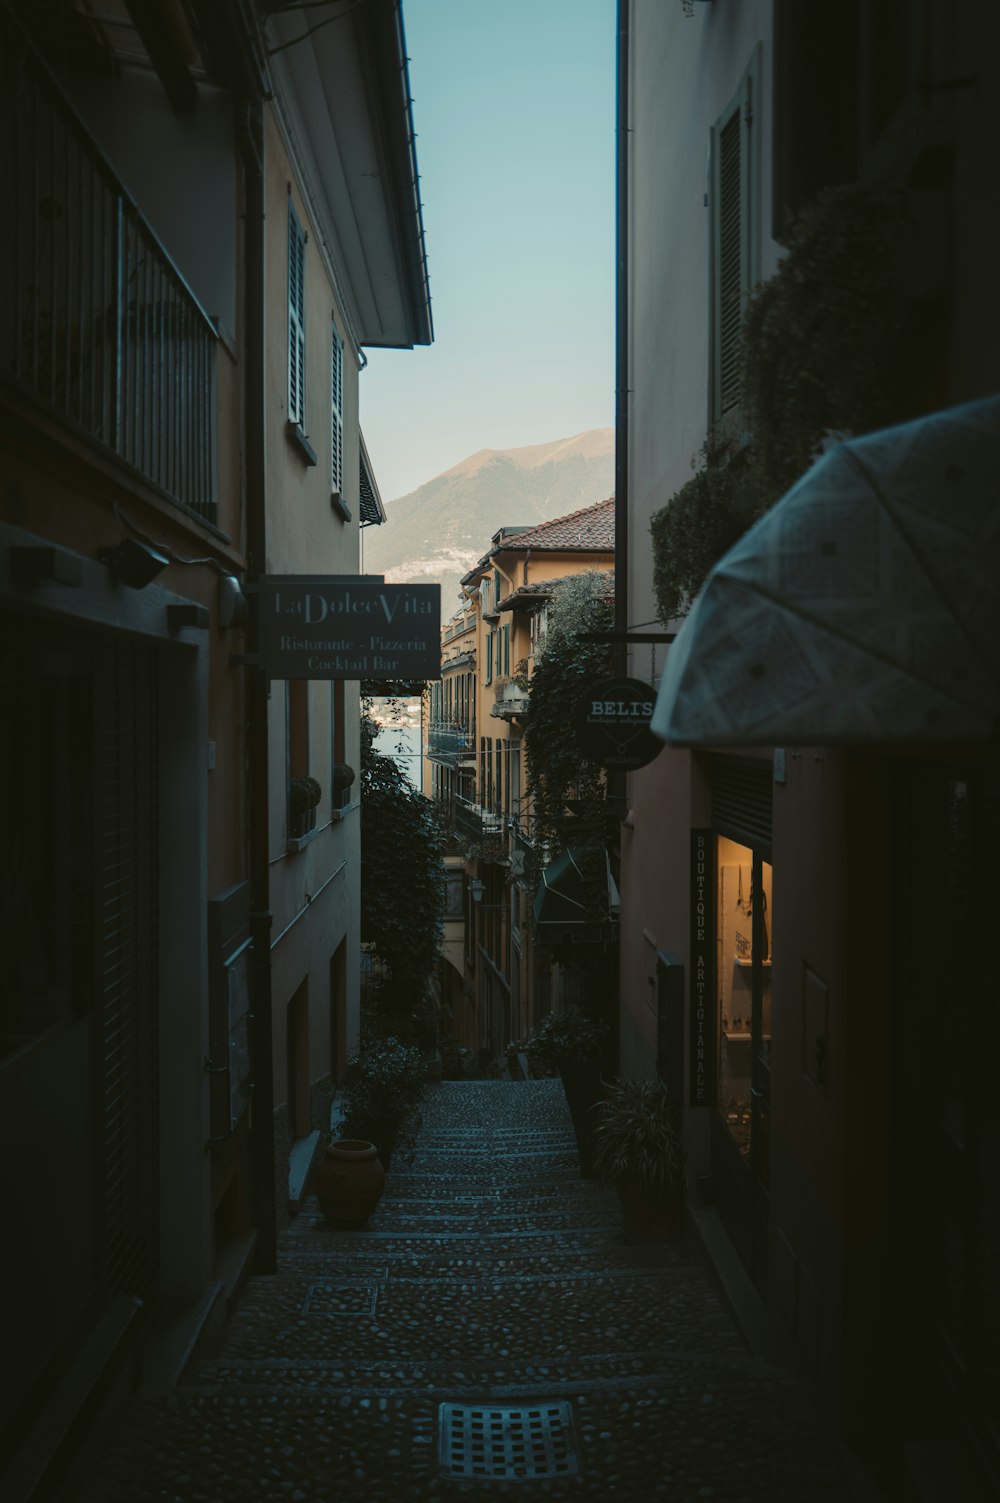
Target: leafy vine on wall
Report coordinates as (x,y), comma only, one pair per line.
(402,889)
(824,353)
(565,789)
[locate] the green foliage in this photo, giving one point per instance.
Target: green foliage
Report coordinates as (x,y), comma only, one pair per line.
(402,887)
(637,1144)
(383,1088)
(822,337)
(822,354)
(563,1038)
(456,1060)
(698,525)
(566,790)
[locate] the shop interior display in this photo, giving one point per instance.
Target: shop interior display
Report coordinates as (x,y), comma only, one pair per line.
(738,895)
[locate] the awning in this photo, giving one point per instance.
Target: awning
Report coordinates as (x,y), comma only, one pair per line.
(863,608)
(564,903)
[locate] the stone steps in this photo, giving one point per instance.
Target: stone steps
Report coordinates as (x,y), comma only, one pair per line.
(494,1280)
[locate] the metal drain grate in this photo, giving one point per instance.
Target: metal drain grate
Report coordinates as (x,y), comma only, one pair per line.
(499,1442)
(341,1299)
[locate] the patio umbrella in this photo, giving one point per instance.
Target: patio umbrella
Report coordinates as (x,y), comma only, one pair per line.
(864,607)
(563,904)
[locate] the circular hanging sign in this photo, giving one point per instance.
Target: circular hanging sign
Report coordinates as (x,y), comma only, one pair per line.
(612,727)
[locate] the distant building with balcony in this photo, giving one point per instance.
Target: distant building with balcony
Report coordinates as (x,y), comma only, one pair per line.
(186,292)
(474,750)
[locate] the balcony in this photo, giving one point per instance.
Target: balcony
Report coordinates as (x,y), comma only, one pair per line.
(451,742)
(511,700)
(99,326)
(482,826)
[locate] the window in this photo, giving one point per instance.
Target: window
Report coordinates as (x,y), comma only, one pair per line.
(506,650)
(296,320)
(734,194)
(489,656)
(336,413)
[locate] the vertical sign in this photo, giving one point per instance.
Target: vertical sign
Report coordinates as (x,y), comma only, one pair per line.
(701,963)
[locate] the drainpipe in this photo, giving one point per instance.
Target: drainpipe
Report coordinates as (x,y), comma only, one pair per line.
(251,143)
(617,780)
(621,347)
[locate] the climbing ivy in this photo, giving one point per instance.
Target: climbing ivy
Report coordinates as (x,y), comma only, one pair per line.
(824,353)
(566,790)
(402,889)
(699,524)
(822,339)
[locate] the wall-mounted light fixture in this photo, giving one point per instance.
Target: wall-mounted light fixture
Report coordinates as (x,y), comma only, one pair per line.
(232,603)
(476,888)
(133,563)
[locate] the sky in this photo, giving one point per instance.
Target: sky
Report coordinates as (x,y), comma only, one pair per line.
(514,113)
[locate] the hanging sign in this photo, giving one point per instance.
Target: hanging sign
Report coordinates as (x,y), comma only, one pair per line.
(612,727)
(348,626)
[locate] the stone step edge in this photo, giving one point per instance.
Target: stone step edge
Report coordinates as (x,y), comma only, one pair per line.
(262,1283)
(485,1389)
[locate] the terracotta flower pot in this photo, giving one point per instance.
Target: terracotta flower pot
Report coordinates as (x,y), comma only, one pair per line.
(349,1182)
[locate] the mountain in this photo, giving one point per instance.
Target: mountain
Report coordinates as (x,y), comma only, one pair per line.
(441,529)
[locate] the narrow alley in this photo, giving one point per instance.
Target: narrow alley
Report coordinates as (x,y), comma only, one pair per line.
(491,1300)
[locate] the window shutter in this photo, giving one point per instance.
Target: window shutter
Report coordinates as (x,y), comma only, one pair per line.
(730,260)
(742,800)
(336,413)
(735,257)
(296,320)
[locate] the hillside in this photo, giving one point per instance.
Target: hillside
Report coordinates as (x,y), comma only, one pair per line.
(438,531)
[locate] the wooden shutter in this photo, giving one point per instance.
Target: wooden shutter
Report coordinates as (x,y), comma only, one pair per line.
(730,293)
(296,320)
(336,413)
(734,190)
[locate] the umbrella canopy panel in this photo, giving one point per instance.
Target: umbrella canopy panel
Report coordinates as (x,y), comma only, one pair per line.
(564,903)
(862,608)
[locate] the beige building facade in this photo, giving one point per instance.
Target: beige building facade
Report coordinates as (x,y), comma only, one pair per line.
(186,295)
(499,981)
(751,873)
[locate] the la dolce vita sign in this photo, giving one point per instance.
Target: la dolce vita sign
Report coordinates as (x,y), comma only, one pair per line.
(348,626)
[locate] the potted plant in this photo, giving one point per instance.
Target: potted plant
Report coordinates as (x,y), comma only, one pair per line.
(574,1045)
(383,1088)
(638,1150)
(304,795)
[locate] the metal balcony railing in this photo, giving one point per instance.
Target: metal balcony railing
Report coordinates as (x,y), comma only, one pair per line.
(96,321)
(451,741)
(477,823)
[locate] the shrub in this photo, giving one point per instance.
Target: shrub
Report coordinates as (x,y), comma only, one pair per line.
(383,1088)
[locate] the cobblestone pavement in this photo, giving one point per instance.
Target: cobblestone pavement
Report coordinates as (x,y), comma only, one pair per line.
(493,1279)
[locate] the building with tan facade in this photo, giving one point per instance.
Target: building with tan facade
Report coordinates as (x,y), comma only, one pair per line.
(202,239)
(778,965)
(498,981)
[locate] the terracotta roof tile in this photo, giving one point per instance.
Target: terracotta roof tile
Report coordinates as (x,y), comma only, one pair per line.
(590,529)
(543,589)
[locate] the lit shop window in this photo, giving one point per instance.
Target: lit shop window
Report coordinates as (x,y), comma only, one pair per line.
(743,969)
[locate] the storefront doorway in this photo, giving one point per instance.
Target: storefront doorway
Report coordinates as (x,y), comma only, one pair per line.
(741,1085)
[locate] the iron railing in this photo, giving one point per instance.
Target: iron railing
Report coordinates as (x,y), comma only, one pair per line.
(479,824)
(96,320)
(450,741)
